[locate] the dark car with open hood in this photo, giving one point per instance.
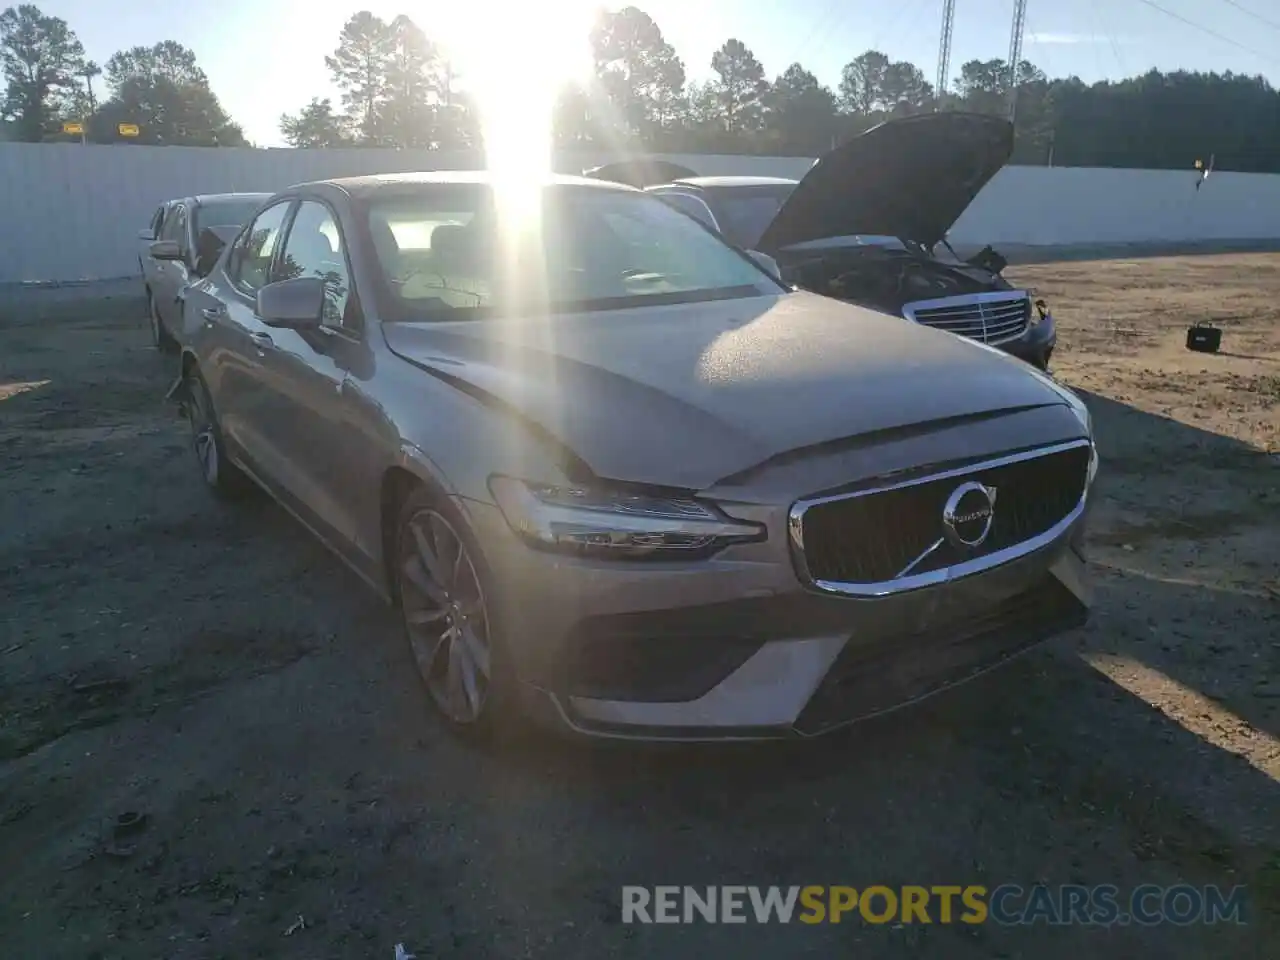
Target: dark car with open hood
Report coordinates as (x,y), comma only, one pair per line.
(868,224)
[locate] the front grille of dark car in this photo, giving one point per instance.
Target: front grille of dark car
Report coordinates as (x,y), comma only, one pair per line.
(871,537)
(984,318)
(870,678)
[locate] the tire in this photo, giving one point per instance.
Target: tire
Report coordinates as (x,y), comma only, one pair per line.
(453,629)
(220,475)
(160,338)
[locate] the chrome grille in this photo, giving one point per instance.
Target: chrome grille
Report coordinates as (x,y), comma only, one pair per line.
(987,317)
(883,540)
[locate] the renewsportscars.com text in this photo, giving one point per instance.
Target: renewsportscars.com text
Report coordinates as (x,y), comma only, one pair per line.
(1007,904)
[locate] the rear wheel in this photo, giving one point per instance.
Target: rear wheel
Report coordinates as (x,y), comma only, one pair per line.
(220,475)
(446,601)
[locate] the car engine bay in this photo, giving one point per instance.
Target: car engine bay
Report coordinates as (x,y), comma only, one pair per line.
(888,278)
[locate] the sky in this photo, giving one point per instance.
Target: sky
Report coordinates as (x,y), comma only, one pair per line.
(266,57)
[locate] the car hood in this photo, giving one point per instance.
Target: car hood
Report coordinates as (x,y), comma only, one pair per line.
(684,396)
(910,178)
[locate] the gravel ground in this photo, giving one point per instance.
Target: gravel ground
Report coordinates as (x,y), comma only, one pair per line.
(216,671)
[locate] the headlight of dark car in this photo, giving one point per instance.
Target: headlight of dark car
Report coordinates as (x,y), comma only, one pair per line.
(1081,412)
(616,523)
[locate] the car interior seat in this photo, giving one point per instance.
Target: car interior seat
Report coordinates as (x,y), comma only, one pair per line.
(386,246)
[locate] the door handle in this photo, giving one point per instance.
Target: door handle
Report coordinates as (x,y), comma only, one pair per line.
(213,313)
(262,341)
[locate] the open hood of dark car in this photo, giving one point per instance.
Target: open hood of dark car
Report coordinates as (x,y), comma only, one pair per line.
(908,178)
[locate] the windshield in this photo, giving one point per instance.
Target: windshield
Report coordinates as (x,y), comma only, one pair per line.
(447,254)
(225,213)
(745,211)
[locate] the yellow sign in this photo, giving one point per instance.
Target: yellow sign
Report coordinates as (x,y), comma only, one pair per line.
(128,129)
(73,126)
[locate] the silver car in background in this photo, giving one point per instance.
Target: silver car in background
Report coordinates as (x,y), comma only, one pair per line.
(614,474)
(182,244)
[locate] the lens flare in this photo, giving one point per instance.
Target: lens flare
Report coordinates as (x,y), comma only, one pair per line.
(514,60)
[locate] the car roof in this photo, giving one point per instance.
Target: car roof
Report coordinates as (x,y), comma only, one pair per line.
(200,199)
(702,182)
(203,198)
(368,184)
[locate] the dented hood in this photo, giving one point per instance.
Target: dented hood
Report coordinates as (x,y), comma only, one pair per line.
(910,178)
(684,396)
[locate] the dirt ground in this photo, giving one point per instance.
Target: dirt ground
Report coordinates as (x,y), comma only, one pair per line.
(217,672)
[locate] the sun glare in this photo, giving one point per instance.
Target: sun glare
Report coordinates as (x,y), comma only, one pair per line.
(514,60)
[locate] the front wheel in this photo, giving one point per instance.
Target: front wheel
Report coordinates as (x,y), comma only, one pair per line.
(220,475)
(448,610)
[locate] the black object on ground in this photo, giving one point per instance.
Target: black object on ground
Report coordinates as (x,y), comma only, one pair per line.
(1204,338)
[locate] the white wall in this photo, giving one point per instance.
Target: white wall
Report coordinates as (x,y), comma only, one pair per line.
(1086,205)
(71,212)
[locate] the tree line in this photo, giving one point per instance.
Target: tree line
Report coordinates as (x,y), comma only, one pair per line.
(398,88)
(48,82)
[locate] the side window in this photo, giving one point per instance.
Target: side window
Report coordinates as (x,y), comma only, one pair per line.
(250,262)
(157,223)
(314,249)
(691,206)
(175,225)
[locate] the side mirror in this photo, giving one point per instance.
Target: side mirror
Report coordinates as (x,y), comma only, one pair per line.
(767,262)
(296,304)
(166,250)
(145,235)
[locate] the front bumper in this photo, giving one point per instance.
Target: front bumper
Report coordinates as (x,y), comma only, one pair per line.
(736,648)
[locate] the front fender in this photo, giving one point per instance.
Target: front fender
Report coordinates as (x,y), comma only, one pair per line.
(179,393)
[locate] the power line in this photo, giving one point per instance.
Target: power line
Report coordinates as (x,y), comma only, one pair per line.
(1205,30)
(1275,25)
(1115,48)
(823,19)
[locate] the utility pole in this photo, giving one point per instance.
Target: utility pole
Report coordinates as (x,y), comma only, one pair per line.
(944,51)
(1015,52)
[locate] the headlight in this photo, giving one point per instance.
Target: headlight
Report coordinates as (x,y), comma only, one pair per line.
(1078,408)
(1086,421)
(616,523)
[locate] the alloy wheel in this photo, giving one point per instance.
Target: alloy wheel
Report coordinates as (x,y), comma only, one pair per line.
(203,438)
(445,616)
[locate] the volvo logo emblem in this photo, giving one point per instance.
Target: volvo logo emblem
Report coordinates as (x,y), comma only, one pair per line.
(968,515)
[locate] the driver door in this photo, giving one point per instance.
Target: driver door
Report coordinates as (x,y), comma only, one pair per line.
(234,342)
(299,377)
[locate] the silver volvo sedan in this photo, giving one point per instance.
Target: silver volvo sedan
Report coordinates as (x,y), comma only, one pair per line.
(618,477)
